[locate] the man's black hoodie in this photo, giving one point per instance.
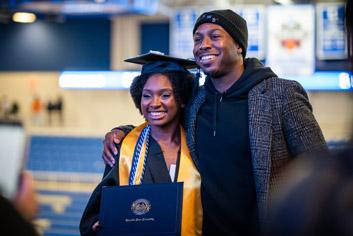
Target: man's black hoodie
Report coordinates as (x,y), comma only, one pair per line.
(222,144)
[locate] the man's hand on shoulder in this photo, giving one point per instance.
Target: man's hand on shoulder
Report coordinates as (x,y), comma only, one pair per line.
(109,144)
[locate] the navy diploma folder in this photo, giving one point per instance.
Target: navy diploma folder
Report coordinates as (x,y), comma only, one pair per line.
(146,209)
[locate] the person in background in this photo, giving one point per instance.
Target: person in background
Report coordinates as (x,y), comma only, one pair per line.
(49,109)
(243,127)
(317,198)
(59,105)
(160,93)
(36,109)
(14,111)
(18,199)
(5,107)
(17,214)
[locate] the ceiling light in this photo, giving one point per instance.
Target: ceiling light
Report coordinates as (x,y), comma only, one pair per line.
(24,17)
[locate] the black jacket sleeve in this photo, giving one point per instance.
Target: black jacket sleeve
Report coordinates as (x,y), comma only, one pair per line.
(125,128)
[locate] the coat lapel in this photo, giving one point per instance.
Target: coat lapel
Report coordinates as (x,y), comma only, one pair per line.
(260,132)
(190,124)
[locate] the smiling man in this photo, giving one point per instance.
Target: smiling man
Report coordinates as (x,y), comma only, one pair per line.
(243,126)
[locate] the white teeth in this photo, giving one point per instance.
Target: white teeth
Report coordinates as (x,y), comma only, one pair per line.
(156,113)
(207,57)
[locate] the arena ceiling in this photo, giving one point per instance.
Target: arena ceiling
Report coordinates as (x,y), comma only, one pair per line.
(99,8)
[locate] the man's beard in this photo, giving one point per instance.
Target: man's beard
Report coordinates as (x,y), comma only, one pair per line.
(215,74)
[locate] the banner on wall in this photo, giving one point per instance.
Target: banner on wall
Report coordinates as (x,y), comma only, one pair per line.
(255,18)
(331,39)
(181,26)
(183,20)
(290,43)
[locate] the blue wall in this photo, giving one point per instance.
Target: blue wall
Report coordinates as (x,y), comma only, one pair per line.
(154,36)
(75,44)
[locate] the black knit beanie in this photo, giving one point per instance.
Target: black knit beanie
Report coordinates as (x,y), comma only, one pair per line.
(233,23)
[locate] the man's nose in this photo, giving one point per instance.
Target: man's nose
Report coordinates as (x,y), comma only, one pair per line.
(206,43)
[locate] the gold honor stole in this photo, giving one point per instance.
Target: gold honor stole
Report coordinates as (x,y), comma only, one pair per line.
(191,223)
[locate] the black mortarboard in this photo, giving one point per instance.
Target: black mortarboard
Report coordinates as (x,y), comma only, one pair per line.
(156,62)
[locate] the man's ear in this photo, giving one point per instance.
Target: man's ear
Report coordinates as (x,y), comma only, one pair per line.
(239,50)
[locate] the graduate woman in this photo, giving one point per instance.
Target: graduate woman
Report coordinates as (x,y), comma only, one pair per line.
(160,93)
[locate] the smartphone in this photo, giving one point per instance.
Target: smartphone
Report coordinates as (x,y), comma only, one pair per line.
(12,147)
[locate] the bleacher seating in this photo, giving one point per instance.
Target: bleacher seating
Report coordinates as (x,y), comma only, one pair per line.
(65,169)
(65,154)
(62,210)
